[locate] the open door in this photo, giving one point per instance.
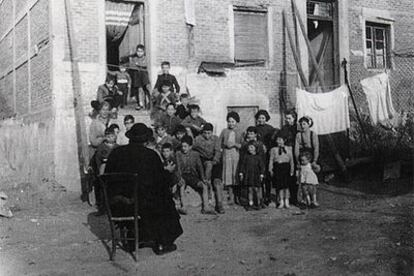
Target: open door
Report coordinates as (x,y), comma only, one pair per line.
(321,23)
(124,22)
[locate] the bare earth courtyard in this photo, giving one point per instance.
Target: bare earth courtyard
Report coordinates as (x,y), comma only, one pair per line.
(352,233)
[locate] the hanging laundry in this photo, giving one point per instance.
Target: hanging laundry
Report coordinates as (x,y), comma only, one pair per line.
(328,110)
(189,11)
(378,92)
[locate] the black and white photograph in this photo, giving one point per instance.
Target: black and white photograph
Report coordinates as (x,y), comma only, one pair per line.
(207,137)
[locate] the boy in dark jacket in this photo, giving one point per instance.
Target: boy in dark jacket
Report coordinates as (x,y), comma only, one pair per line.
(166,76)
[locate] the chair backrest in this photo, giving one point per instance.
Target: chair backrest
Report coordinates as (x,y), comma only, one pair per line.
(120,193)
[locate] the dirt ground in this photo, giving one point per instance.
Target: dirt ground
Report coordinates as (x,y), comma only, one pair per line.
(353,233)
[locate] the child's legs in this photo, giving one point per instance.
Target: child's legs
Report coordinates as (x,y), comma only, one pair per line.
(313,193)
(305,192)
(286,193)
(208,168)
(259,195)
(231,194)
(141,97)
(218,188)
(204,194)
(281,195)
(250,195)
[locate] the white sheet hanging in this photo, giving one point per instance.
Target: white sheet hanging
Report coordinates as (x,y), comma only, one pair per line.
(378,92)
(189,11)
(329,111)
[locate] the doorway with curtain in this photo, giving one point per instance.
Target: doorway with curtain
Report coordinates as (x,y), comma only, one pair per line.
(124,22)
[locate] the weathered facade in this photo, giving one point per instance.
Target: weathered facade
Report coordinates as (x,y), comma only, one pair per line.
(40,133)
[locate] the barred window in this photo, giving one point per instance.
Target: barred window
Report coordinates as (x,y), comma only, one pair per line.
(377,46)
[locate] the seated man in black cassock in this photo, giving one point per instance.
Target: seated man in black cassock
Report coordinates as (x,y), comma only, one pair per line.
(159,221)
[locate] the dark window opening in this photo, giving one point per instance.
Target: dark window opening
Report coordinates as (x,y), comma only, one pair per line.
(250,36)
(124,30)
(377,46)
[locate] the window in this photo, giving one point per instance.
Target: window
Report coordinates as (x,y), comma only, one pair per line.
(319,9)
(377,45)
(250,36)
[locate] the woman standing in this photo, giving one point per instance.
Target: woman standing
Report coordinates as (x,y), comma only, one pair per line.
(264,133)
(230,141)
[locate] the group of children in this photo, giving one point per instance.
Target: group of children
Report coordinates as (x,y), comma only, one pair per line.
(239,161)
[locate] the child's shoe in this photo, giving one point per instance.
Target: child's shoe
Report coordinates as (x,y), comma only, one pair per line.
(287,205)
(208,212)
(281,204)
(182,211)
(314,204)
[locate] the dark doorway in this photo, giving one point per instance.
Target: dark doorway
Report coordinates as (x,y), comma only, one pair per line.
(322,35)
(124,22)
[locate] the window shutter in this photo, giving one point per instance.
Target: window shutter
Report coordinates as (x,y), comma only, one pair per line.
(250,35)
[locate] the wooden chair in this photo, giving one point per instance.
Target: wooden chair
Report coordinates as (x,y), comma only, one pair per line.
(120,195)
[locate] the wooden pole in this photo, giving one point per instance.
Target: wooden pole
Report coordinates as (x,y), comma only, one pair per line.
(83,152)
(364,133)
(311,53)
(331,143)
(321,55)
(295,54)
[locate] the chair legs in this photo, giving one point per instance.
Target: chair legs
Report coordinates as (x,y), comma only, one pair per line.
(136,239)
(113,251)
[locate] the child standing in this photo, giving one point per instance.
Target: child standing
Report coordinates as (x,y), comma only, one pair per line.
(230,141)
(281,169)
(194,121)
(169,119)
(177,183)
(307,140)
(191,170)
(140,87)
(308,179)
(252,169)
(123,81)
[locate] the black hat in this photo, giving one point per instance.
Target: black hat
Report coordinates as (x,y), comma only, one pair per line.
(138,133)
(208,127)
(234,115)
(264,113)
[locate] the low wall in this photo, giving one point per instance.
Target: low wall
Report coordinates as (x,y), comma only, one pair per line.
(27,151)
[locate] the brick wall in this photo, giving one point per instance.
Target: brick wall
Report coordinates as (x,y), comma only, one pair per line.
(402,82)
(25,91)
(85,14)
(212,42)
(31,70)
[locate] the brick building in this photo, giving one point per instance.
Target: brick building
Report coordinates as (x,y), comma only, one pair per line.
(41,131)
